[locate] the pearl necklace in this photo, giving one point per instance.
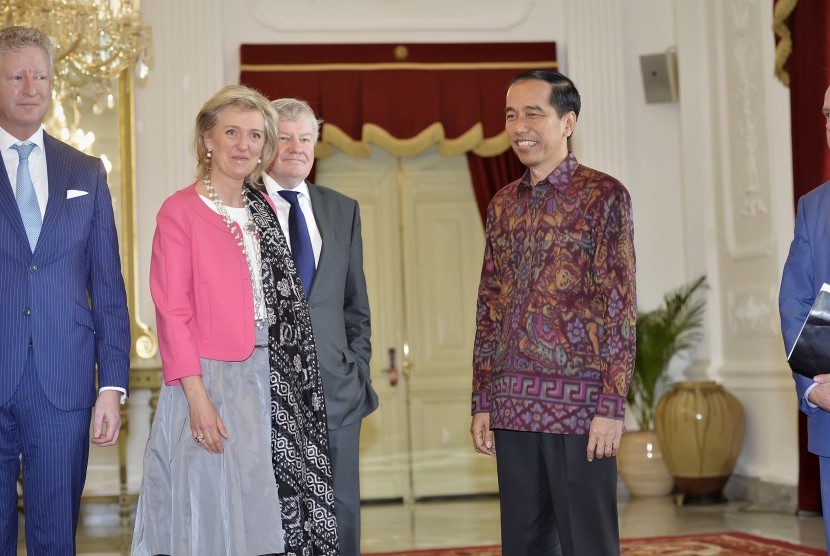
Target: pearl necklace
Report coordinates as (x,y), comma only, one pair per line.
(251,229)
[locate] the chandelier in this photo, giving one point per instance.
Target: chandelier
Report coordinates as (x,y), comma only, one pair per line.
(95,41)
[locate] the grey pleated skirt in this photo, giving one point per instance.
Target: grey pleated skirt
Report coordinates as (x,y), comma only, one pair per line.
(193,502)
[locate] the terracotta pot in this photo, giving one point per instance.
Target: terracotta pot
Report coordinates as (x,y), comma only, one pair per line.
(701,431)
(641,466)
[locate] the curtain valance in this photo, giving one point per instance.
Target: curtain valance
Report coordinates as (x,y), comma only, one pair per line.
(402,98)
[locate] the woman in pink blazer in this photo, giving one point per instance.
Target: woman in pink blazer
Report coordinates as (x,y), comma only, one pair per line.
(237,408)
(202,289)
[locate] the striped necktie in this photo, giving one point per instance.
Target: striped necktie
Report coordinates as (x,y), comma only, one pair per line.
(26,196)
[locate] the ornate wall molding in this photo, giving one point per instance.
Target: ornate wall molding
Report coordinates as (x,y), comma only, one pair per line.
(752,311)
(745,182)
(387,15)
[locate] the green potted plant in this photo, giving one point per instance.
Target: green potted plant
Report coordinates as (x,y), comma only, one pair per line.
(666,331)
(670,329)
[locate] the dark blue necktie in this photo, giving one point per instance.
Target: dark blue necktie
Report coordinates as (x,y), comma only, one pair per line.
(301,250)
(26,196)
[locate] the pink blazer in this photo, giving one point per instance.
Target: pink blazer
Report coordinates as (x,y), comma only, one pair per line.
(201,287)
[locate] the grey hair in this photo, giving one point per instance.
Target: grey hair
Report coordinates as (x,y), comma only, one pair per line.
(294,109)
(17,37)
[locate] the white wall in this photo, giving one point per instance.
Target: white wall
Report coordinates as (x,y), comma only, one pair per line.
(644,154)
(384,21)
(736,181)
(653,155)
(671,156)
(649,144)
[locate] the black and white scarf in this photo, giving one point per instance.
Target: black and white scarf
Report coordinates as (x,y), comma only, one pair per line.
(299,437)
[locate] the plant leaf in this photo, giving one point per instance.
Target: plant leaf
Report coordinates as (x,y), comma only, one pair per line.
(663,333)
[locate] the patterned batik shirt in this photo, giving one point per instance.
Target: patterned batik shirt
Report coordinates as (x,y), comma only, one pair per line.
(557,303)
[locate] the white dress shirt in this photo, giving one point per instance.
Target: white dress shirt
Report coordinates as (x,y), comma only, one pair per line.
(240,216)
(284,206)
(37,164)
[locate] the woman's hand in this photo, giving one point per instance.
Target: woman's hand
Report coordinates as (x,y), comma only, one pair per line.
(205,424)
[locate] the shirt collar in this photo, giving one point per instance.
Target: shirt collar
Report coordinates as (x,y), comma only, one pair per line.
(561,176)
(7,139)
(273,187)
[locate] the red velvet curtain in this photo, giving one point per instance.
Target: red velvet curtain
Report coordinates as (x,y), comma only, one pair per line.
(405,98)
(806,30)
(809,70)
(491,173)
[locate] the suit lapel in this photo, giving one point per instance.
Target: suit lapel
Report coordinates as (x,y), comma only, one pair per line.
(8,204)
(321,218)
(57,171)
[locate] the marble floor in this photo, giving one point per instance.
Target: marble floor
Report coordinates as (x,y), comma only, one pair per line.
(469,522)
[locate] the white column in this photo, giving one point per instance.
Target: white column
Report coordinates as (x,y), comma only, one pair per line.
(737,187)
(698,128)
(187,70)
(593,49)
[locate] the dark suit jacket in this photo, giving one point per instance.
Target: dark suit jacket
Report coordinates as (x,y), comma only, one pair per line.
(69,294)
(807,267)
(340,309)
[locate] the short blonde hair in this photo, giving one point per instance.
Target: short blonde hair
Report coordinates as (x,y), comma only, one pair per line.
(16,37)
(294,109)
(207,118)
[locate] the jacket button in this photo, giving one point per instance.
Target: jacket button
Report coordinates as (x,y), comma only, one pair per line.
(33,268)
(27,311)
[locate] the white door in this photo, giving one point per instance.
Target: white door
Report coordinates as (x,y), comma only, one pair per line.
(423,243)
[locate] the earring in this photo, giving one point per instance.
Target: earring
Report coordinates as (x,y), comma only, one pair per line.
(209,154)
(259,161)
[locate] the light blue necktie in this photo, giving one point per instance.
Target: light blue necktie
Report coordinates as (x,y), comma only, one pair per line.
(301,250)
(26,197)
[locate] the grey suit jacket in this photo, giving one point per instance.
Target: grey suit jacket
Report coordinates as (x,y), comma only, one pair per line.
(340,309)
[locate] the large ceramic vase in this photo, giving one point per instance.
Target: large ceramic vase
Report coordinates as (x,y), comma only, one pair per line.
(701,429)
(641,466)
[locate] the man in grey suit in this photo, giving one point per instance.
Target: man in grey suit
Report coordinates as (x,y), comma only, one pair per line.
(329,258)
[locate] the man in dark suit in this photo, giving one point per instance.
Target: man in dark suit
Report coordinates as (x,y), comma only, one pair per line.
(323,230)
(63,307)
(806,269)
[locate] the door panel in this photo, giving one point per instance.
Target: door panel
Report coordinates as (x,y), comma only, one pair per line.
(423,243)
(443,249)
(384,442)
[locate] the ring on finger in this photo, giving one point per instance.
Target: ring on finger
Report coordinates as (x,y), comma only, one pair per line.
(199,438)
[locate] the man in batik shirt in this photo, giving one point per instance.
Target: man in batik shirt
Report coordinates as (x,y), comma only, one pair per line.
(554,347)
